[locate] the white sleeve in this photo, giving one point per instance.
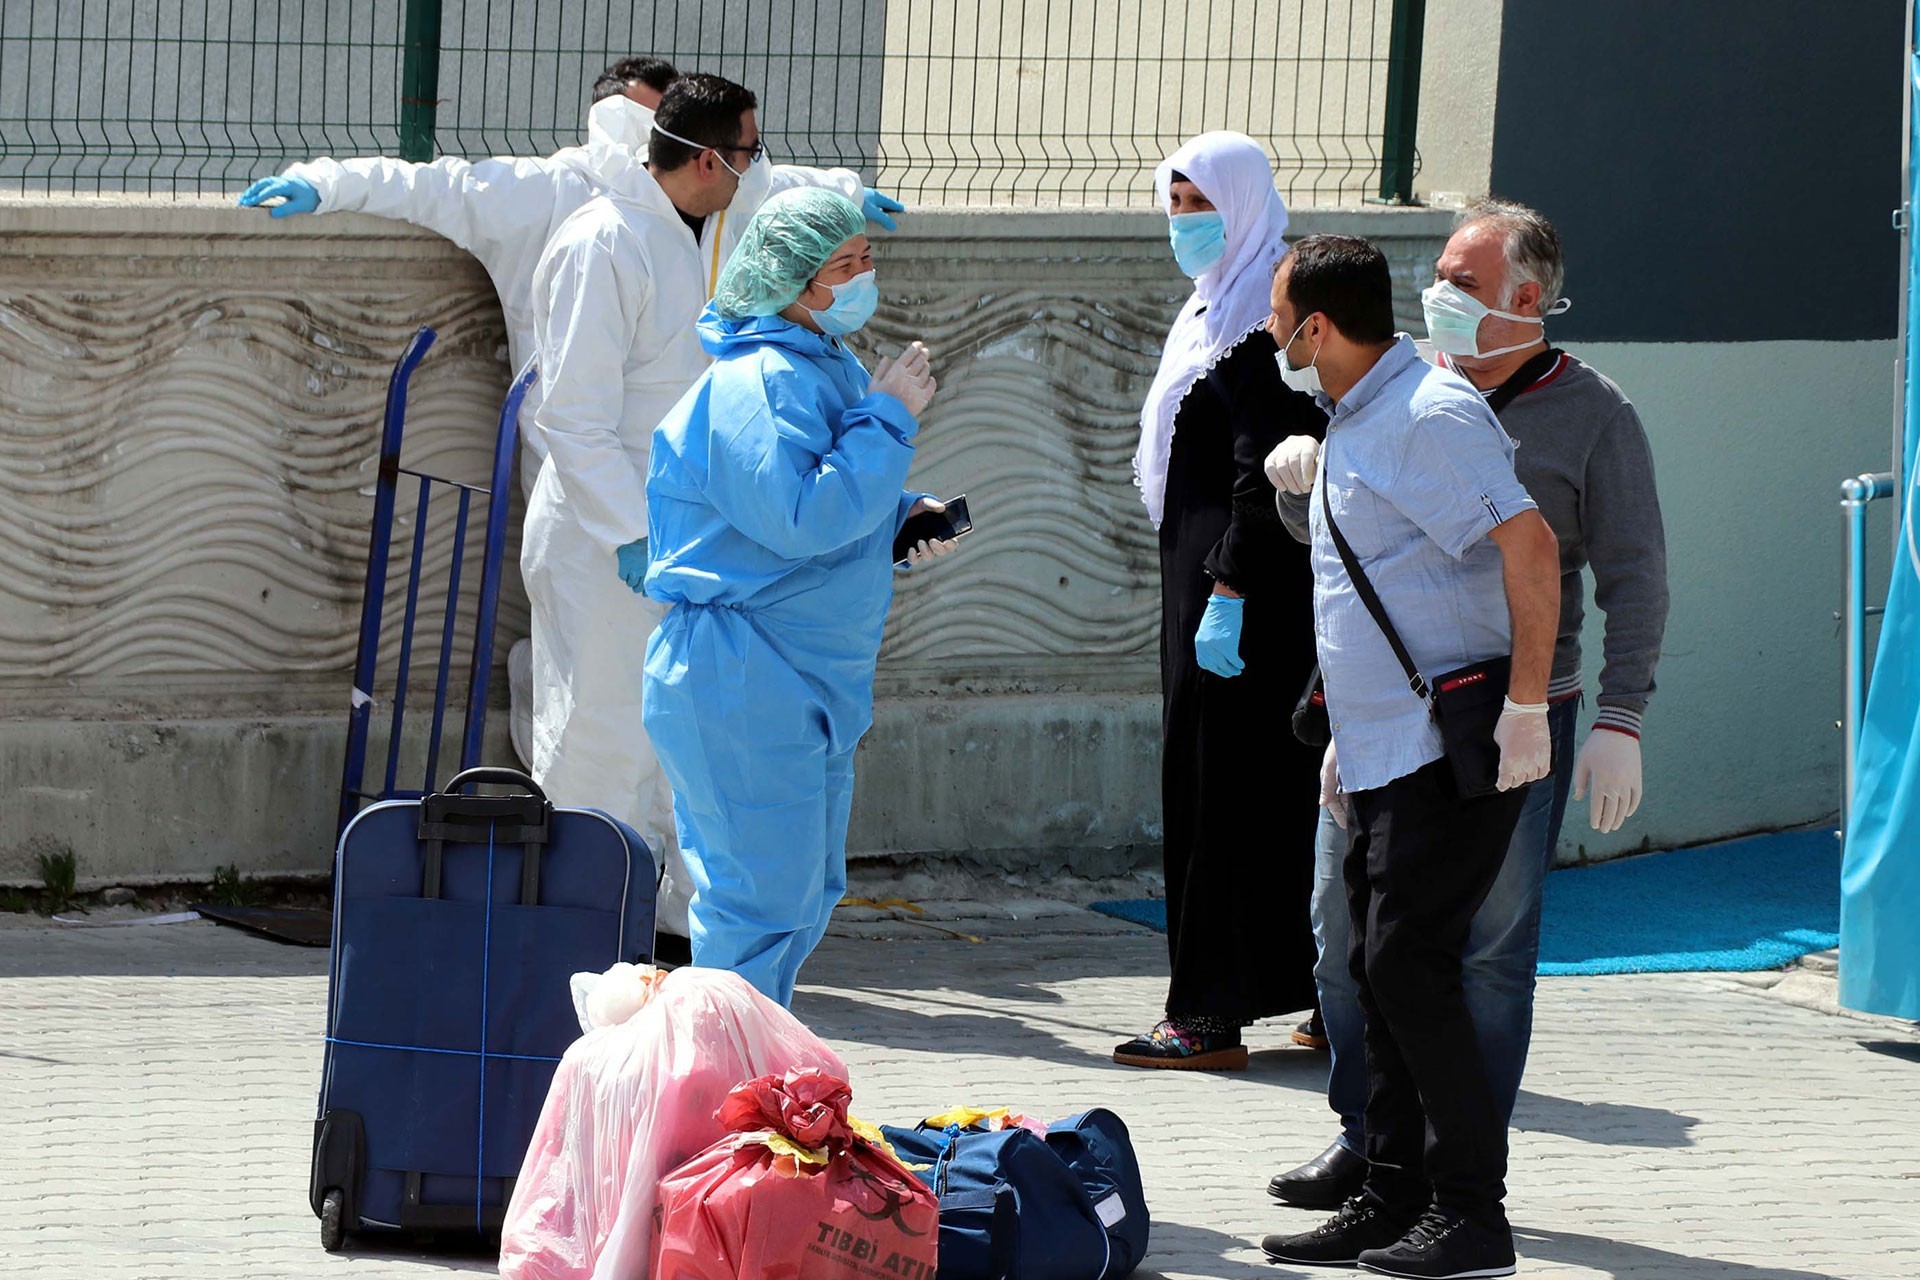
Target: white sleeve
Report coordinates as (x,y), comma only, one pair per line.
(845,181)
(497,210)
(590,294)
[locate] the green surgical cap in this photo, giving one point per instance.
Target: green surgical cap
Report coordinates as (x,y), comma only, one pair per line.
(784,246)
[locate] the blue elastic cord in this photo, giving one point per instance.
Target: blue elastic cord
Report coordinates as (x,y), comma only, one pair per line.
(486,958)
(456,1053)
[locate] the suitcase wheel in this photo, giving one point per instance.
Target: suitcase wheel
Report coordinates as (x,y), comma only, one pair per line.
(333,1226)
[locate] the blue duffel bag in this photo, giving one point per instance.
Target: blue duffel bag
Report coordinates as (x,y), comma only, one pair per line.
(1014,1206)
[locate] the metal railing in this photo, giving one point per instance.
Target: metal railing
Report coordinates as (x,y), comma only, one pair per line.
(1856,495)
(995,102)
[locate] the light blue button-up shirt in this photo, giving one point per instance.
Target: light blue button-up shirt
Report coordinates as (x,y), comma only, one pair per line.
(1418,472)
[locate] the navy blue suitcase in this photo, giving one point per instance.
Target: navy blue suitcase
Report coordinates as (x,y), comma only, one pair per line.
(457,921)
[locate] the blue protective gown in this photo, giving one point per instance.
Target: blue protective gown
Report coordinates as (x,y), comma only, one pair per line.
(774,494)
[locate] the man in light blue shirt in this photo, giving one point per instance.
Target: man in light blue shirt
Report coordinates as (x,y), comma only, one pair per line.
(1419,477)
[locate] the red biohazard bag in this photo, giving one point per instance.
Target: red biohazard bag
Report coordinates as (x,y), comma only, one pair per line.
(796,1193)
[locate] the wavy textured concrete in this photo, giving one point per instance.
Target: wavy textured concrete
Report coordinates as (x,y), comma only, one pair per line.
(192,398)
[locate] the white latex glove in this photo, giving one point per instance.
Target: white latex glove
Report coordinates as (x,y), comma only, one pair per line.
(909,379)
(1610,763)
(1526,746)
(1330,797)
(1292,464)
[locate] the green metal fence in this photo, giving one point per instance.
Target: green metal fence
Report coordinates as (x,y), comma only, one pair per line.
(1033,102)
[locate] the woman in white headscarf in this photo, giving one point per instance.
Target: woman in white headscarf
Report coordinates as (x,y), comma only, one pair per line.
(1236,637)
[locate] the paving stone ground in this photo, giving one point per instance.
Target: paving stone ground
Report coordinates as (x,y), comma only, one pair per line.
(157,1089)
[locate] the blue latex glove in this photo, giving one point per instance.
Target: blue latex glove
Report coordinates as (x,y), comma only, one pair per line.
(1217,643)
(298,196)
(878,205)
(632,559)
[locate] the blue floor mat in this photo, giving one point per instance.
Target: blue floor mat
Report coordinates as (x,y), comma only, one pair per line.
(1756,903)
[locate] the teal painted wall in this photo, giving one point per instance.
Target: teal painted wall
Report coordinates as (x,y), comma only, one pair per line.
(1750,443)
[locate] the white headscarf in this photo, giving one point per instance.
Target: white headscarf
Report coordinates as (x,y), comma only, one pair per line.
(1229,301)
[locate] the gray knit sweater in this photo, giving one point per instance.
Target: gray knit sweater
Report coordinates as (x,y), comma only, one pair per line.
(1584,458)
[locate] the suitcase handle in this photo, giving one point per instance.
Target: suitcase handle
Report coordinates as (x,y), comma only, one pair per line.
(494,773)
(451,815)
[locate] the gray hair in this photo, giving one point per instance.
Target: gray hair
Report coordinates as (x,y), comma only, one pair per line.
(1532,245)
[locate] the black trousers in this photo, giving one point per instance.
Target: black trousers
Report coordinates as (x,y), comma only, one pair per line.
(1419,864)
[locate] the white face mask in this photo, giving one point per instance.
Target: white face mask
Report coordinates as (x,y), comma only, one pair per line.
(718,153)
(1454,316)
(1307,380)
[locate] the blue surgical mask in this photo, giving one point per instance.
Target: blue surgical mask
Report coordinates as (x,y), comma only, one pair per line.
(1199,241)
(854,302)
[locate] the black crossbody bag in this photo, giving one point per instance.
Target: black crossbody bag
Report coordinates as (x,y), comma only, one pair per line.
(1465,702)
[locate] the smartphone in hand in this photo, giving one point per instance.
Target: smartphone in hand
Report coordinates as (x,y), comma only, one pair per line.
(930,526)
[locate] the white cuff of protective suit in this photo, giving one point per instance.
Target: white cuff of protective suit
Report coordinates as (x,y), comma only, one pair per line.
(323,174)
(845,181)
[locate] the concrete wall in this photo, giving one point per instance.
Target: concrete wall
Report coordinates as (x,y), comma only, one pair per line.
(191,396)
(1459,79)
(190,402)
(1750,441)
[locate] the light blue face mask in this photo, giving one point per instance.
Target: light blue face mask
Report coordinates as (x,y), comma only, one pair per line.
(854,302)
(1199,241)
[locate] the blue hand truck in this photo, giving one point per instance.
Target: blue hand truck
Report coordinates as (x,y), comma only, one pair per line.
(354,791)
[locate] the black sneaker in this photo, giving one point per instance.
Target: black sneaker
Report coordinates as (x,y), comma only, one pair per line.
(1311,1034)
(1444,1246)
(1174,1047)
(1363,1223)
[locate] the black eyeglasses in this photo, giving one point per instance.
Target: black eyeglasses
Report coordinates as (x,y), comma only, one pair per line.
(754,152)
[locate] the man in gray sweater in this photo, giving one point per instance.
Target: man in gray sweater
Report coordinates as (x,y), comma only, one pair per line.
(1583,458)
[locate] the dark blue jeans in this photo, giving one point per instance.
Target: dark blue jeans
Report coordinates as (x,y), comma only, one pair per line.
(1503,948)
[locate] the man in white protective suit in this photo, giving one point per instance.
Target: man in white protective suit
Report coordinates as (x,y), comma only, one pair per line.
(504,210)
(615,297)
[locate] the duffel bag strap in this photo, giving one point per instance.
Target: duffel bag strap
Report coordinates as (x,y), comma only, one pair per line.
(1003,1230)
(1005,1233)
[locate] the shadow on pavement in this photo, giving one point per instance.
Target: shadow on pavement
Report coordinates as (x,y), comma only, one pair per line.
(194,949)
(1642,1262)
(1200,1251)
(465,1259)
(1605,1124)
(1906,1049)
(1046,960)
(938,1022)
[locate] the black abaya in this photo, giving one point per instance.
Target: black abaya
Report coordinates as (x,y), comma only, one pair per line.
(1240,794)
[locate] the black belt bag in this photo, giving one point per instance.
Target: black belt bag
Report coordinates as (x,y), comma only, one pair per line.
(1465,702)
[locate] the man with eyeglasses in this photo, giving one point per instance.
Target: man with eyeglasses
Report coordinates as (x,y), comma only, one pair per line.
(504,210)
